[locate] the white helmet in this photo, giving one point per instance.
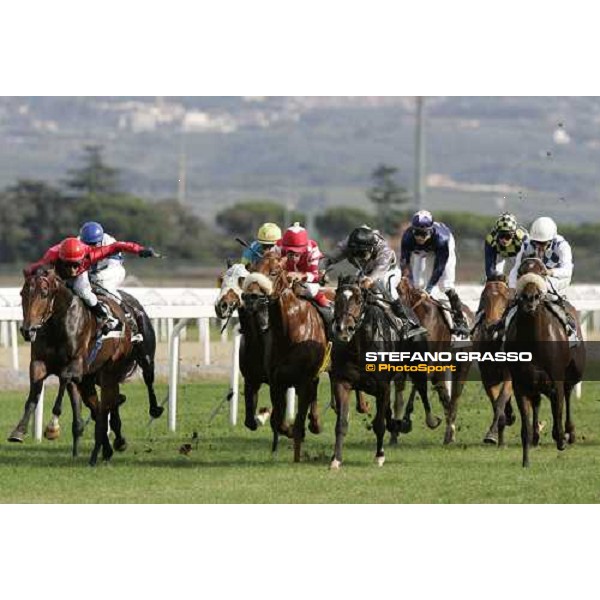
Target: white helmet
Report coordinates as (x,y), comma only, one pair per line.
(543,230)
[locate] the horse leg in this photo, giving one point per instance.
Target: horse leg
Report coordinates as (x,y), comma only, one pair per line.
(362,405)
(524,404)
(536,427)
(250,401)
(52,430)
(569,425)
(278,415)
(383,401)
(342,408)
(504,410)
(557,400)
(314,421)
(145,360)
(396,414)
(493,393)
(37,373)
(77,423)
(306,397)
(431,420)
(406,423)
(455,393)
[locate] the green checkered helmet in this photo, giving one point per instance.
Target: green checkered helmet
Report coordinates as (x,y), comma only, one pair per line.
(506,222)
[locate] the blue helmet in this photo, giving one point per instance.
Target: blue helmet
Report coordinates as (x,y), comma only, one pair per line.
(422,220)
(91,232)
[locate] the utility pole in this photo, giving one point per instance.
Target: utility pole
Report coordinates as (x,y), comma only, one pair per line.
(182,170)
(419,155)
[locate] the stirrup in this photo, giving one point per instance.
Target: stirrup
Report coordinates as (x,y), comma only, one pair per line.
(136,338)
(410,331)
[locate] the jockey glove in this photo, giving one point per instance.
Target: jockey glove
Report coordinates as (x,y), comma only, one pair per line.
(146,253)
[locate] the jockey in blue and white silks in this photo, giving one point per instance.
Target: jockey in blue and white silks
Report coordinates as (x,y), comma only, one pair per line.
(552,249)
(426,239)
(110,272)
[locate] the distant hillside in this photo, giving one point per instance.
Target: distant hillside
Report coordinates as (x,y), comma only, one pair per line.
(531,155)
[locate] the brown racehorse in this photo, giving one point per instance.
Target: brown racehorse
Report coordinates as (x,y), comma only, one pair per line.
(295,343)
(73,352)
(430,313)
(495,377)
(555,367)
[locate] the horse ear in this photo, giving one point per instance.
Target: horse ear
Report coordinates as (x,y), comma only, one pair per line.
(229,263)
(241,282)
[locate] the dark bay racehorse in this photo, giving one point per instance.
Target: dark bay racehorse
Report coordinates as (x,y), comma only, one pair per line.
(73,352)
(361,321)
(555,369)
(251,355)
(495,377)
(295,344)
(430,313)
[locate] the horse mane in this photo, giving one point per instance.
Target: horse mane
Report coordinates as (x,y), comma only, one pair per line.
(534,278)
(264,283)
(496,278)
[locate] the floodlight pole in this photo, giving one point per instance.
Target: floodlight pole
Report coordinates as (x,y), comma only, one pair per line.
(419,155)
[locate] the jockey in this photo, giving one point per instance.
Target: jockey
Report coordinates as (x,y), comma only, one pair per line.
(72,259)
(427,237)
(555,252)
(504,241)
(267,235)
(367,250)
(108,273)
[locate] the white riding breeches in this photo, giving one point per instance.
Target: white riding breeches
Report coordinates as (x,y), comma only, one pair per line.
(391,281)
(82,287)
(110,278)
(422,265)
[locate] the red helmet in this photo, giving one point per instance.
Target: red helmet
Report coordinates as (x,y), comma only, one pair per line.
(72,250)
(295,239)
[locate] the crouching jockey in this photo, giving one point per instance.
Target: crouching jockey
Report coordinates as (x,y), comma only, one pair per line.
(266,237)
(367,250)
(72,260)
(301,257)
(504,242)
(109,273)
(555,253)
(423,239)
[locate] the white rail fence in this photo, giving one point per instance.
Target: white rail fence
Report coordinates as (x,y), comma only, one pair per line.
(171,309)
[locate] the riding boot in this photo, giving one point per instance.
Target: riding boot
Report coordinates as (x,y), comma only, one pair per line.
(105,321)
(323,305)
(500,327)
(570,324)
(460,323)
(410,323)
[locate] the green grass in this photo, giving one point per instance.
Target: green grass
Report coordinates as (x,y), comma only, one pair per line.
(233,465)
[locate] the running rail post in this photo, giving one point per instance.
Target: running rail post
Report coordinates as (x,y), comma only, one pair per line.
(235,378)
(38,416)
(290,403)
(584,334)
(174,372)
(14,345)
(205,336)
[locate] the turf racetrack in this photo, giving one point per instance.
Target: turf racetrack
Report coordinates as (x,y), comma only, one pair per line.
(233,465)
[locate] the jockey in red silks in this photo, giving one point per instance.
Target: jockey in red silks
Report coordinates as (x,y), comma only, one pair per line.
(301,261)
(72,260)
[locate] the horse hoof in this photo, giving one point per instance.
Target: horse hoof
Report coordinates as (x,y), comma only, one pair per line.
(379,460)
(120,445)
(393,439)
(432,421)
(156,411)
(16,436)
(405,426)
(121,399)
(490,439)
(362,409)
(251,425)
(450,436)
(52,433)
(315,427)
(335,465)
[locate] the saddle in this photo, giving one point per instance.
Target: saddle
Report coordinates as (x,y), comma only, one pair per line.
(131,313)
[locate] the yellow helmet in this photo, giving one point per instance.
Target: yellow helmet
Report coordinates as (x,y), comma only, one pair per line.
(268,233)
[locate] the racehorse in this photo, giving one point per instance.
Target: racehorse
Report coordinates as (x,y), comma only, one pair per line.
(295,344)
(431,315)
(495,377)
(74,352)
(555,367)
(251,354)
(41,350)
(361,323)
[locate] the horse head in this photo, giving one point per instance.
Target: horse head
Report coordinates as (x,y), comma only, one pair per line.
(38,296)
(494,298)
(532,265)
(230,296)
(257,294)
(348,309)
(270,264)
(531,289)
